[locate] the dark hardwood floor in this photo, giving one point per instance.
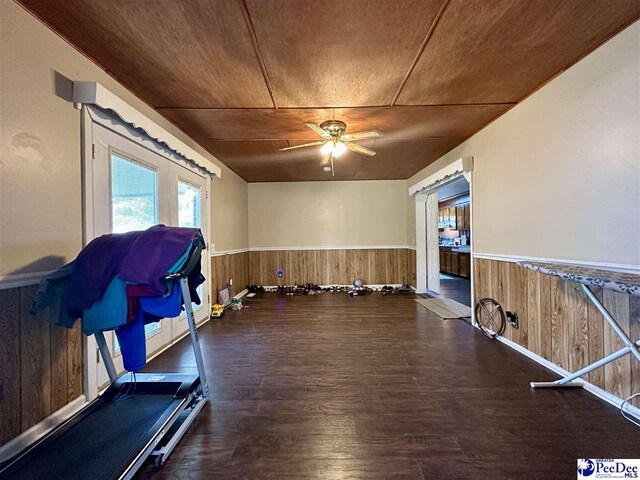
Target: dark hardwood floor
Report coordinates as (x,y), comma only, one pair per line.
(377,387)
(455,288)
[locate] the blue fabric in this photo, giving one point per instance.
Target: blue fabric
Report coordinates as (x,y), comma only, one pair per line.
(109,312)
(181,261)
(52,294)
(168,306)
(132,336)
(133,343)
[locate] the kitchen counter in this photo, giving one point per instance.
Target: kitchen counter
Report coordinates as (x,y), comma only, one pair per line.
(461,249)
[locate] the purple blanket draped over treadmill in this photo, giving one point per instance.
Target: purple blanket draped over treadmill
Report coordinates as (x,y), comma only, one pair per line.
(141,257)
(152,255)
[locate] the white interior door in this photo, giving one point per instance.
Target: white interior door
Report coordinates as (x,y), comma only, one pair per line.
(433,247)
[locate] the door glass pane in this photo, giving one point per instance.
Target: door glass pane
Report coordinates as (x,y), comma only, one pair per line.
(134,195)
(188,205)
(134,204)
(189,216)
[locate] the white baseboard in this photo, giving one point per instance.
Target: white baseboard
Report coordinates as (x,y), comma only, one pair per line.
(26,438)
(372,285)
(591,388)
(241,294)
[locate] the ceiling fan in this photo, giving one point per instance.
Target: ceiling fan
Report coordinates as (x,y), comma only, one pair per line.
(335,142)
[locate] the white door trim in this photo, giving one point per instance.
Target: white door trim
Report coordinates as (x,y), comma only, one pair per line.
(433,249)
(421,243)
(421,190)
(91,387)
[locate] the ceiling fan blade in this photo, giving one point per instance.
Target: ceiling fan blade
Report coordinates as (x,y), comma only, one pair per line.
(326,159)
(354,147)
(350,137)
(317,129)
(319,142)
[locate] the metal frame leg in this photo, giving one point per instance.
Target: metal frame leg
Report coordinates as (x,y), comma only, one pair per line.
(191,320)
(625,338)
(630,347)
(106,357)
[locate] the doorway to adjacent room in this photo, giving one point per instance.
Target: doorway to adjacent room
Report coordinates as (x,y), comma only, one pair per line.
(454,241)
(444,260)
(448,212)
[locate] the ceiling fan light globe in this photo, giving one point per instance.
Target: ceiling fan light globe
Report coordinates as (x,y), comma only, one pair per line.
(326,148)
(339,149)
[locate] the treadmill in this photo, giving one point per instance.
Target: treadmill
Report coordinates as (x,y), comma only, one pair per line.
(112,440)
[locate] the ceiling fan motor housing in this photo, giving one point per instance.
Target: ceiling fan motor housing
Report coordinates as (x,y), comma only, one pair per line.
(335,128)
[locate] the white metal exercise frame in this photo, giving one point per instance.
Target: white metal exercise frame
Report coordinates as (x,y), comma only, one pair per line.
(200,396)
(630,347)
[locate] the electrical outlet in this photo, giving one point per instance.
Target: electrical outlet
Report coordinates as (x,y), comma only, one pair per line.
(230,281)
(512,318)
(212,247)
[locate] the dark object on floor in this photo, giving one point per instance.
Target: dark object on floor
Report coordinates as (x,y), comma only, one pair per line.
(358,291)
(255,288)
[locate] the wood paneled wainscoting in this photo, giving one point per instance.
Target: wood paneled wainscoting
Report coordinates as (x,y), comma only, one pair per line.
(40,364)
(333,267)
(229,266)
(559,323)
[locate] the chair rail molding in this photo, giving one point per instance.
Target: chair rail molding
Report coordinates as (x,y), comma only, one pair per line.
(16,280)
(620,267)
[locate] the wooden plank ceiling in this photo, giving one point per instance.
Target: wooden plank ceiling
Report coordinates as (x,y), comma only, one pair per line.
(240,76)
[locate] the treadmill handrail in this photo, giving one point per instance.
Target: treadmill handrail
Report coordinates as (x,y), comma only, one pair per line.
(192,260)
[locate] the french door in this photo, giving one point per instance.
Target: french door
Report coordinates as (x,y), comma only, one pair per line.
(189,191)
(135,188)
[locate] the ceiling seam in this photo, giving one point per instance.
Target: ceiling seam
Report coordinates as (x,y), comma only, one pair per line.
(257,50)
(307,139)
(420,50)
(481,104)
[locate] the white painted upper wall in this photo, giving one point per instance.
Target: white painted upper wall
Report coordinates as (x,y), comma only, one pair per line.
(312,214)
(40,161)
(558,176)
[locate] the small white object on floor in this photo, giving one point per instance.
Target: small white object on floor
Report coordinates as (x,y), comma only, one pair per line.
(444,276)
(250,295)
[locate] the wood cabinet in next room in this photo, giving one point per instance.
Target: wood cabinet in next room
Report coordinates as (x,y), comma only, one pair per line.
(455,263)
